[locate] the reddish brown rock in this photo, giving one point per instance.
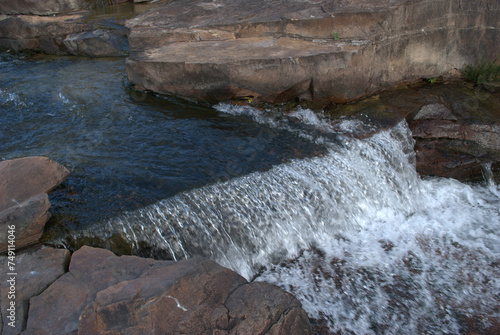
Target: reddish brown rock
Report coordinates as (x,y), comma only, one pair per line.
(35,271)
(259,308)
(324,51)
(28,219)
(57,309)
(23,178)
(24,204)
(37,33)
(105,294)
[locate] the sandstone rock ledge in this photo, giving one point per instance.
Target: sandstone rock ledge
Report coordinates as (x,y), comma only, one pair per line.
(277,50)
(105,294)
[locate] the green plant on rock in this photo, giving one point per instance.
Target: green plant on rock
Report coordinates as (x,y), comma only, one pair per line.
(484,71)
(336,36)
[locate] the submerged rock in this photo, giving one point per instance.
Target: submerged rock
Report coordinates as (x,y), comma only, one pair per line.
(276,51)
(103,293)
(24,184)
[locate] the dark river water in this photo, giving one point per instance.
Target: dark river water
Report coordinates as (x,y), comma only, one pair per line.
(124,149)
(345,224)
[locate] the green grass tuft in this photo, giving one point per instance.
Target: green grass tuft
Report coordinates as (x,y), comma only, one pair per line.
(483,71)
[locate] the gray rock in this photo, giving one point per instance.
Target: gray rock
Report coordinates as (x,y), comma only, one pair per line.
(435,112)
(43,7)
(51,7)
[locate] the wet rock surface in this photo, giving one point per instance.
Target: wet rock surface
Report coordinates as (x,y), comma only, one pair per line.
(323,51)
(98,43)
(458,139)
(103,293)
(24,184)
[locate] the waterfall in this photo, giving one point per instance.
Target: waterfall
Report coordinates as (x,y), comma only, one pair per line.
(366,244)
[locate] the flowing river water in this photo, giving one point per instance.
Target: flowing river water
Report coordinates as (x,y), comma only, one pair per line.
(345,224)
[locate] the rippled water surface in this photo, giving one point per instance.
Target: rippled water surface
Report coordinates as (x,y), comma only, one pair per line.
(124,149)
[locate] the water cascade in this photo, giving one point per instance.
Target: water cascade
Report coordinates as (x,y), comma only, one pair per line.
(366,244)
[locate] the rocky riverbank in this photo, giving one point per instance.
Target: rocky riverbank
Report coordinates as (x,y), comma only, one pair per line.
(95,292)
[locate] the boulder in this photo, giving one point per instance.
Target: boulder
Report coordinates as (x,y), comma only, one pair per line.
(275,51)
(35,271)
(104,294)
(24,184)
(28,218)
(23,178)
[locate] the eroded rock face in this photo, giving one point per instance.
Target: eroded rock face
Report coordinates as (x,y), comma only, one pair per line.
(24,204)
(275,51)
(103,294)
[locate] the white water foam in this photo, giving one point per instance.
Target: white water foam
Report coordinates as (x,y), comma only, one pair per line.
(356,235)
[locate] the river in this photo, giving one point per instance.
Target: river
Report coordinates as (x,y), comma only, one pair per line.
(345,224)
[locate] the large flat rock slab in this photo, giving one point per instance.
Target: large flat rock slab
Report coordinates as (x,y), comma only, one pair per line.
(275,51)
